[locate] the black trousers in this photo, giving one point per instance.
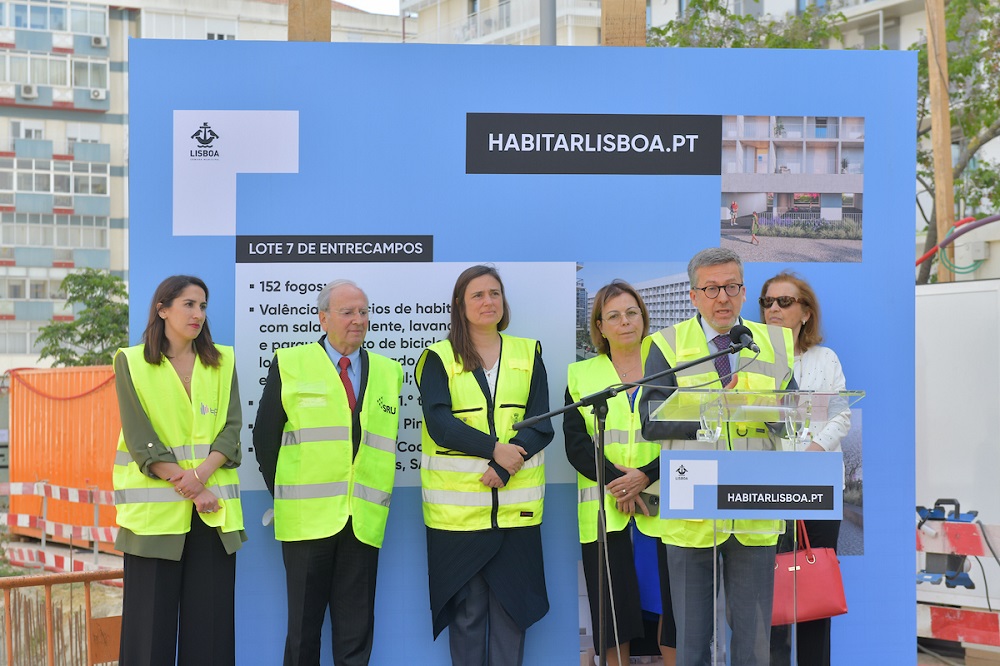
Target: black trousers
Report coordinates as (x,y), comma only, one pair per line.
(622,591)
(812,638)
(180,612)
(338,573)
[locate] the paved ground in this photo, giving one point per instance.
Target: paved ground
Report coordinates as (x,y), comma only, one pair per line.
(773,249)
(850,541)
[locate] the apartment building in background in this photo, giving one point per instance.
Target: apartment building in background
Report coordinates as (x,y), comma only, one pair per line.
(667,299)
(773,163)
(64,135)
(578,22)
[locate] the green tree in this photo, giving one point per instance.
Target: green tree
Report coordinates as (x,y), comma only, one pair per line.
(973,31)
(98,330)
(710,24)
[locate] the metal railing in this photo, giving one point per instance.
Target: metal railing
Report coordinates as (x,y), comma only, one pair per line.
(102,633)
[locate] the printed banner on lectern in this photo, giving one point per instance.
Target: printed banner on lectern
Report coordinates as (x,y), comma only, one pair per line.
(751,484)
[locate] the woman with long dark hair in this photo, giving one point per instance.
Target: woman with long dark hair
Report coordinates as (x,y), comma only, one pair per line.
(176,488)
(483,482)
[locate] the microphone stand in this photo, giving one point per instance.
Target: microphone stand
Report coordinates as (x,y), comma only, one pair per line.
(598,402)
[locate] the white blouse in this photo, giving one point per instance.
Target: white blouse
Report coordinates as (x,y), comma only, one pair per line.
(819,370)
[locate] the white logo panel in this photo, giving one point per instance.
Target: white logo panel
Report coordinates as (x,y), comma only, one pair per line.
(685,475)
(210,148)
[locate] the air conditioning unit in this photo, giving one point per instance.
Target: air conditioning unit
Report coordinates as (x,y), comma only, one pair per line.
(29,91)
(99,41)
(98,93)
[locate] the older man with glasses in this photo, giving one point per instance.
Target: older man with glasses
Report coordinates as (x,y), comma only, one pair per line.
(746,547)
(325,439)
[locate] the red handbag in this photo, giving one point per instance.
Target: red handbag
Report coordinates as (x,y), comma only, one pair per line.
(807,583)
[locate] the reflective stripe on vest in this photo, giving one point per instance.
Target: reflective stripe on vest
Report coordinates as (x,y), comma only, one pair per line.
(506,497)
(468,464)
(320,482)
(138,495)
(454,498)
(323,434)
(149,506)
(310,490)
(772,370)
(623,445)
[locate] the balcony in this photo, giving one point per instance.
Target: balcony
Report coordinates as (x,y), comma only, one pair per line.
(508,22)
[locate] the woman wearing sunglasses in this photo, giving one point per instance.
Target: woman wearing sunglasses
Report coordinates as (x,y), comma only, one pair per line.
(788,300)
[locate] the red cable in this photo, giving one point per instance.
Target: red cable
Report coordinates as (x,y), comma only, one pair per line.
(16,373)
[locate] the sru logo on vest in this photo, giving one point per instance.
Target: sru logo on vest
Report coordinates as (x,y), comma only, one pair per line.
(388,409)
(206,410)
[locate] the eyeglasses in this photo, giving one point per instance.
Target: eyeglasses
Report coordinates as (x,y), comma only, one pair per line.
(349,313)
(732,289)
(782,301)
(615,317)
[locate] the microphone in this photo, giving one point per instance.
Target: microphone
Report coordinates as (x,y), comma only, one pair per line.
(744,337)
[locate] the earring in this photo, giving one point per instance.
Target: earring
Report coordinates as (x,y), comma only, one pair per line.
(803,322)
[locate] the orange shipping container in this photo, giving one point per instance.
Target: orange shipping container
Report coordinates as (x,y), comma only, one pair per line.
(64,429)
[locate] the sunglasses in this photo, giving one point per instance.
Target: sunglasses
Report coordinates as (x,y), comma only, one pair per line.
(783,301)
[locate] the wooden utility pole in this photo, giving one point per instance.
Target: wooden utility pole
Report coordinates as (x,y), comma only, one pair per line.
(309,20)
(937,73)
(623,23)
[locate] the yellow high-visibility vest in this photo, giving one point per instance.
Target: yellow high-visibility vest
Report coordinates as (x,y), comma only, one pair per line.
(771,370)
(623,445)
(319,482)
(148,506)
(454,498)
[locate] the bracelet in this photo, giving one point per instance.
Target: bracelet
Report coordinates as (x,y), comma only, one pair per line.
(195,470)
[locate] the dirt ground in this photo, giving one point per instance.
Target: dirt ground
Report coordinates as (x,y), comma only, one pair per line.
(105,599)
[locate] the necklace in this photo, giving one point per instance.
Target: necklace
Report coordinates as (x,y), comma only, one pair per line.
(183,364)
(624,373)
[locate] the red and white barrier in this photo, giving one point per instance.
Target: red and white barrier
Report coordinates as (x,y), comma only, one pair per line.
(20,555)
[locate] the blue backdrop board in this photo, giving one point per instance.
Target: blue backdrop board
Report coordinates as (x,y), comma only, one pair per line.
(281,166)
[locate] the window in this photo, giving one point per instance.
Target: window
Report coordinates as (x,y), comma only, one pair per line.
(15,288)
(39,289)
(19,337)
(83,18)
(72,231)
(20,16)
(88,21)
(57,19)
(90,73)
(220,36)
(13,337)
(50,176)
(41,69)
(890,36)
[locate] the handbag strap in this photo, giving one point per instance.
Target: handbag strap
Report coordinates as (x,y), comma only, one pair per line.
(804,536)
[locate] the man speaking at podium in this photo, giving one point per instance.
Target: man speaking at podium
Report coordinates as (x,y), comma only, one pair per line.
(747,547)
